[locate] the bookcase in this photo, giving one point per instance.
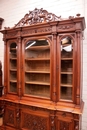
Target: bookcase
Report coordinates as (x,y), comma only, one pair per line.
(43,73)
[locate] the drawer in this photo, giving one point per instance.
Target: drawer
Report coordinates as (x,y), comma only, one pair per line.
(64,114)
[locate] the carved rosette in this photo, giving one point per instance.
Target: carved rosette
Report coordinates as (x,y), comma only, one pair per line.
(34,122)
(37,16)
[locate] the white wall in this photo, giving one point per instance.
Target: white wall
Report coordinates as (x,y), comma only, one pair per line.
(13,10)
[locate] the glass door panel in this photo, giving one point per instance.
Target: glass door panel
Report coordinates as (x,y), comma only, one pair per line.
(13,68)
(66,82)
(37,68)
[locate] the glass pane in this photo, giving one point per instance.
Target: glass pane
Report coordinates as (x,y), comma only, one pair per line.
(13,68)
(66,82)
(37,68)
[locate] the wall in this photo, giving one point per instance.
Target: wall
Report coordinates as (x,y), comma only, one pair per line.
(13,10)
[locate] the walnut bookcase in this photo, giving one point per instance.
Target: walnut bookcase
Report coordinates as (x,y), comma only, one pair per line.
(43,73)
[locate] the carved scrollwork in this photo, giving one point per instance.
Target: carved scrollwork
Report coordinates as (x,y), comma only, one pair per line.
(12,34)
(10,115)
(34,122)
(37,16)
(33,31)
(64,27)
(52,123)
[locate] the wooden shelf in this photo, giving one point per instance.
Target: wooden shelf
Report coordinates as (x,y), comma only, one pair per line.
(66,72)
(38,83)
(13,70)
(43,72)
(13,81)
(37,59)
(66,85)
(67,58)
(13,48)
(38,48)
(13,58)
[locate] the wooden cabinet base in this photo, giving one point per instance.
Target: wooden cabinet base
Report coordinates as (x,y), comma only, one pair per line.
(25,117)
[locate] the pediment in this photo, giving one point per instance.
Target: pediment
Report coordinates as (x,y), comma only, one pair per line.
(37,16)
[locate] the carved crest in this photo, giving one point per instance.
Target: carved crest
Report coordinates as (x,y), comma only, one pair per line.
(37,16)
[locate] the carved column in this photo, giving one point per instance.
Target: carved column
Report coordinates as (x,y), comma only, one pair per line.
(18,118)
(78,60)
(0,73)
(1,87)
(52,120)
(5,66)
(19,67)
(54,94)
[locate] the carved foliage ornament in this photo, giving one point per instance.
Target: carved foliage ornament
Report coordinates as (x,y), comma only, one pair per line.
(33,122)
(10,115)
(37,16)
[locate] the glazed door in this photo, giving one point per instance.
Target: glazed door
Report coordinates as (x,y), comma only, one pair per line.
(13,71)
(36,68)
(66,63)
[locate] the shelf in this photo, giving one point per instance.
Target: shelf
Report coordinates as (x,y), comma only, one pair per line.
(67,58)
(13,48)
(65,45)
(38,83)
(66,85)
(13,81)
(66,72)
(38,48)
(13,70)
(37,59)
(43,72)
(13,58)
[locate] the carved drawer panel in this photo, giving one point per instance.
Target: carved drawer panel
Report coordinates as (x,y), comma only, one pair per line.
(64,114)
(34,121)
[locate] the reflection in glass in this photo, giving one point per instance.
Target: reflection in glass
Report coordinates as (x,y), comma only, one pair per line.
(66,68)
